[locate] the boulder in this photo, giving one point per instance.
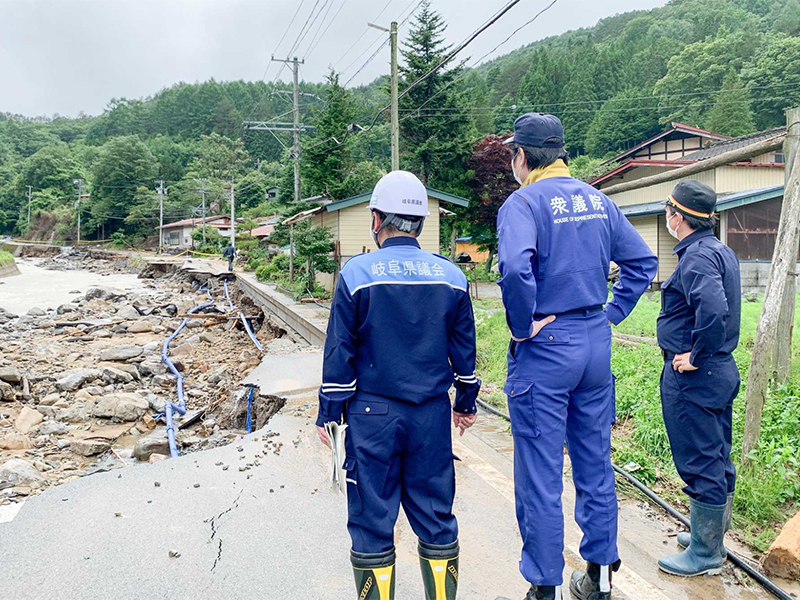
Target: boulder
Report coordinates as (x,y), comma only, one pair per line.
(77,413)
(15,441)
(783,557)
(112,375)
(49,400)
(6,391)
(66,308)
(120,353)
(53,428)
(36,312)
(76,379)
(140,327)
(20,472)
(27,420)
(208,338)
(152,367)
(128,313)
(126,407)
(10,375)
(89,447)
(152,444)
(280,346)
(104,293)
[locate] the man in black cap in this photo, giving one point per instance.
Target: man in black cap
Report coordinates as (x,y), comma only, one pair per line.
(698,329)
(556,238)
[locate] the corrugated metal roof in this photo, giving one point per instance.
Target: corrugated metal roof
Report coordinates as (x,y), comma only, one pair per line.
(724,201)
(719,147)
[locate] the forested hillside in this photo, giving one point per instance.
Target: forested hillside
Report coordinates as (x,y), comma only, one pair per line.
(730,66)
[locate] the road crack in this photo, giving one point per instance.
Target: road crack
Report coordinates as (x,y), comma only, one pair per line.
(214,523)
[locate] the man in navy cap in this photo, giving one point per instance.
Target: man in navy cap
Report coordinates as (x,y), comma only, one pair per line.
(698,329)
(557,236)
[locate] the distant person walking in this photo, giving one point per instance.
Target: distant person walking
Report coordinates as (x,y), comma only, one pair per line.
(230,254)
(698,329)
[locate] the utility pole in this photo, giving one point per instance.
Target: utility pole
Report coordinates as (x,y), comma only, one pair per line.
(29,207)
(202,191)
(781,270)
(79,183)
(160,216)
(395,137)
(296,129)
(783,348)
(233,217)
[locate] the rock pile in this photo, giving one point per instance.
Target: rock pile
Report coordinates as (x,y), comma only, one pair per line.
(80,384)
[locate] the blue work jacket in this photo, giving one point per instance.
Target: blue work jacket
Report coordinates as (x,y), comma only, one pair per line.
(701,302)
(556,238)
(402,327)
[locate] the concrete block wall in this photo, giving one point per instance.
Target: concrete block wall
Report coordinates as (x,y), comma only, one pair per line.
(755,276)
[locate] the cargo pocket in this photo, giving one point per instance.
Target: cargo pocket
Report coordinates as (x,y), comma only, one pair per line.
(354,504)
(521,408)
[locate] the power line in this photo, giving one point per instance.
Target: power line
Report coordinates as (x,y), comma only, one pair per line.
(377,51)
(311,26)
(319,27)
(314,45)
(513,33)
(359,38)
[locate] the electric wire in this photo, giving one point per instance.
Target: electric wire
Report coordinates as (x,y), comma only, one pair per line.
(359,38)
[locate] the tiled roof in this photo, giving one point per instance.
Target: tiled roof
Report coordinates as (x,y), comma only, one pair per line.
(740,142)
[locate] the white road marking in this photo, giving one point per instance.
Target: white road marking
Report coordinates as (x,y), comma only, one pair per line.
(625,580)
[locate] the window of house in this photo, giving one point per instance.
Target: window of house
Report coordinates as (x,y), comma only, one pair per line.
(752,229)
(779,158)
(173,238)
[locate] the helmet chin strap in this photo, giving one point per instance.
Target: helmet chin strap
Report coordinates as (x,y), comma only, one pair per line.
(397,221)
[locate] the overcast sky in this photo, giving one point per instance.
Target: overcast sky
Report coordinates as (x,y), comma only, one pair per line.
(67,56)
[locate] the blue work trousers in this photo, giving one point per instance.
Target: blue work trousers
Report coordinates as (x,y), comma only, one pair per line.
(698,411)
(560,388)
(399,453)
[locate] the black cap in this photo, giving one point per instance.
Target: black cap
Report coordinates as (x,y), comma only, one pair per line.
(537,130)
(694,199)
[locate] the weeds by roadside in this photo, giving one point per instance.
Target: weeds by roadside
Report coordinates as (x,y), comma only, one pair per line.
(767,494)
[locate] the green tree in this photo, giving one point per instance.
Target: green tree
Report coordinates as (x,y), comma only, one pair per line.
(219,157)
(51,168)
(435,143)
(325,163)
(773,75)
(504,115)
(621,121)
(731,114)
(313,247)
(123,165)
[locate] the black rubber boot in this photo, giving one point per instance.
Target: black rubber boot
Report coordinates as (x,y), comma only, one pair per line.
(541,592)
(594,583)
(374,575)
(439,564)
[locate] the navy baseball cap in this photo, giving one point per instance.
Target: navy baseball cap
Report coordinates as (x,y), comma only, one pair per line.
(537,130)
(693,198)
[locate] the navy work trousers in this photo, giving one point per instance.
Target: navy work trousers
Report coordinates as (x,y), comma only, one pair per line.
(399,453)
(698,410)
(560,388)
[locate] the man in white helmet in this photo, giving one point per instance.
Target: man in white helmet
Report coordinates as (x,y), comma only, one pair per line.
(401,332)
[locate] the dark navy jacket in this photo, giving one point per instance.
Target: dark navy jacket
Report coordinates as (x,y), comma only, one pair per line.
(402,327)
(556,238)
(701,302)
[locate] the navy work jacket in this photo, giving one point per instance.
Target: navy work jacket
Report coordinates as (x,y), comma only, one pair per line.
(701,302)
(402,327)
(556,238)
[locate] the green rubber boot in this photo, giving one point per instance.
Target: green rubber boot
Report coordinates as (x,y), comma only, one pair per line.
(439,564)
(684,537)
(704,554)
(374,575)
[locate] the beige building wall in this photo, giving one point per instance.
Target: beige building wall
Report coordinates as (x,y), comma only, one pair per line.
(661,191)
(648,229)
(667,261)
(737,179)
(354,224)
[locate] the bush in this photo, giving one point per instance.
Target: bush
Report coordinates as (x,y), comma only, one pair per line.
(118,239)
(275,270)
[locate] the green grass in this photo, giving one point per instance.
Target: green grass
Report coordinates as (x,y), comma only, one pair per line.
(768,493)
(6,258)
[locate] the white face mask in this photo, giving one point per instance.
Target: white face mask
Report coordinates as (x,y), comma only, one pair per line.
(672,232)
(514,171)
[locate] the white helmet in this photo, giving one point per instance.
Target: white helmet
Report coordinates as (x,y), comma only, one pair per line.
(400,193)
